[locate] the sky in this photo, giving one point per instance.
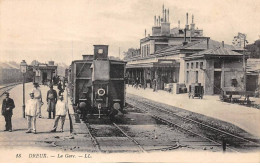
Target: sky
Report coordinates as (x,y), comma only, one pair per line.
(63,30)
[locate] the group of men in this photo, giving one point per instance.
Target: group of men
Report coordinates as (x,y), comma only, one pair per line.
(55,105)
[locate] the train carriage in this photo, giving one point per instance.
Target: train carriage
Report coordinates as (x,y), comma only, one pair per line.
(104,79)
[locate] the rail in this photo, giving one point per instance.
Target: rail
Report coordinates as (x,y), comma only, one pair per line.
(193,121)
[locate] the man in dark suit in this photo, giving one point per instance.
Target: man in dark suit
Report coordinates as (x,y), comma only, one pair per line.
(7,111)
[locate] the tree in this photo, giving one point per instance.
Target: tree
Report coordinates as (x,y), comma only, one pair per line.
(254,49)
(131,52)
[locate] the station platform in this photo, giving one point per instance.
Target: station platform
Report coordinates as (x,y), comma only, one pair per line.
(246,118)
(18,139)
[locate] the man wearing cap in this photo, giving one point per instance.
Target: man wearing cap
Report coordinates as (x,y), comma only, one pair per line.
(37,96)
(61,111)
(7,111)
(31,111)
(85,104)
(51,100)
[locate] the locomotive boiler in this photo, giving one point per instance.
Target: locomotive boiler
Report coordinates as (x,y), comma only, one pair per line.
(102,79)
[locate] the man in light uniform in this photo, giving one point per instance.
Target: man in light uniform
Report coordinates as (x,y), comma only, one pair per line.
(38,96)
(31,111)
(61,111)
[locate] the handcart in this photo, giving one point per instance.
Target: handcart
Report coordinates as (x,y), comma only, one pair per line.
(196,90)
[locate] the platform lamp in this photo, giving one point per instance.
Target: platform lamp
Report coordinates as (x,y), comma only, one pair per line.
(23,68)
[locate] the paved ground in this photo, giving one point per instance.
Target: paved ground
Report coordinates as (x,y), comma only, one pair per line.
(18,138)
(244,117)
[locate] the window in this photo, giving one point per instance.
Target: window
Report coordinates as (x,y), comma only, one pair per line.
(148,48)
(201,65)
(197,77)
(100,51)
(187,65)
(197,65)
(191,65)
(234,82)
(187,77)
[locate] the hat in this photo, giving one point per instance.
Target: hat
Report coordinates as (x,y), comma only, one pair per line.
(60,97)
(36,83)
(7,93)
(51,85)
(31,93)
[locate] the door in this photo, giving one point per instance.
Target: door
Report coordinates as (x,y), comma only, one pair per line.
(217,82)
(44,77)
(251,82)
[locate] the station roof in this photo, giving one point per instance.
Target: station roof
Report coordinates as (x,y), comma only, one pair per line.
(202,45)
(155,63)
(216,52)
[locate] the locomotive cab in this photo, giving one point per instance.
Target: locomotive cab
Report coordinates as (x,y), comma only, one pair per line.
(104,77)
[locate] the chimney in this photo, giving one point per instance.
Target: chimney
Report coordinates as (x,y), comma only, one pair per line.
(155,20)
(187,21)
(145,33)
(187,17)
(207,43)
(159,21)
(185,42)
(223,44)
(185,34)
(179,22)
(163,11)
(192,25)
(168,17)
(165,17)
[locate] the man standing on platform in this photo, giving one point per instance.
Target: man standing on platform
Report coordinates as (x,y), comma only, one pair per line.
(31,111)
(154,84)
(7,111)
(37,96)
(85,104)
(51,100)
(61,111)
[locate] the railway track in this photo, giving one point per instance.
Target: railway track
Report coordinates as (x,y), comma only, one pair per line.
(212,134)
(7,88)
(100,142)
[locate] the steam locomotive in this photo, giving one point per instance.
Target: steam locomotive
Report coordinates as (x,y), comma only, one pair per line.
(102,79)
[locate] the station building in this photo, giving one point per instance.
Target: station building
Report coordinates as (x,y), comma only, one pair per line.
(163,56)
(216,69)
(43,72)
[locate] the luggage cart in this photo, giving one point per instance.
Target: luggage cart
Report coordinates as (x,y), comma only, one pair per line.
(196,90)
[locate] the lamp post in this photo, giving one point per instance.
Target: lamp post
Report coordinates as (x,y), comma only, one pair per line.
(23,68)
